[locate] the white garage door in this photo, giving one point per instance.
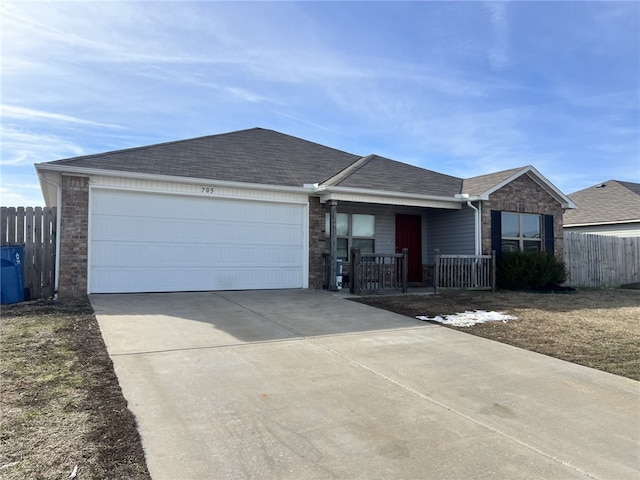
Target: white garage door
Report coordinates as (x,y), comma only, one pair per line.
(145,242)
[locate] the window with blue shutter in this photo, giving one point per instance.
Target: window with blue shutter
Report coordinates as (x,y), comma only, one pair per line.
(524,232)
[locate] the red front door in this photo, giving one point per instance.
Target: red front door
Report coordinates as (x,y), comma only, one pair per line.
(409,235)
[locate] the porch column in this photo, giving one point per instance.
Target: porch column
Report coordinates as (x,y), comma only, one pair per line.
(333,244)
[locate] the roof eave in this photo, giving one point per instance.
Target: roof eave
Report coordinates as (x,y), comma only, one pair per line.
(47,167)
(334,192)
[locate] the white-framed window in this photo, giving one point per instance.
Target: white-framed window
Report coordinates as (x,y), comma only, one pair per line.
(354,230)
(521,232)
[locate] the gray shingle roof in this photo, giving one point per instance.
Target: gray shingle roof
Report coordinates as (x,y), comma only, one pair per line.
(608,202)
(379,173)
(253,156)
(475,186)
(267,157)
(634,187)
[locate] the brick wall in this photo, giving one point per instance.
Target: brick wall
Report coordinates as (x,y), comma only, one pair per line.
(523,195)
(74,226)
(316,243)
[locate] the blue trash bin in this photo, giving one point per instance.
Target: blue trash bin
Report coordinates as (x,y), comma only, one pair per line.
(11,274)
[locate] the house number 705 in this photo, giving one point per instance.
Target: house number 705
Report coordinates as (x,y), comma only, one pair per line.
(208,190)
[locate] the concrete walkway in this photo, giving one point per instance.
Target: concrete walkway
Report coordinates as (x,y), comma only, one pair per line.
(301,384)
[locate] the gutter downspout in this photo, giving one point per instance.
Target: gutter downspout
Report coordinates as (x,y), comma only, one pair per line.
(477,227)
(58,232)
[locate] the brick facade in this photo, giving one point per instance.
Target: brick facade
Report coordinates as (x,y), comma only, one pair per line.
(74,226)
(316,243)
(523,195)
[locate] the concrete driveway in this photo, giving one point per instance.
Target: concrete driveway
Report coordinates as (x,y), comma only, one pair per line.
(302,384)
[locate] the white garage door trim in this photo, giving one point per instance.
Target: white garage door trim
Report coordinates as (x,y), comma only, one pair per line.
(144,241)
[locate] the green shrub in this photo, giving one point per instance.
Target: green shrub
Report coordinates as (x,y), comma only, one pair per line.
(530,271)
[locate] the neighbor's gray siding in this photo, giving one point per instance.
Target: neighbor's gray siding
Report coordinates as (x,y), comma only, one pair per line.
(617,230)
(451,231)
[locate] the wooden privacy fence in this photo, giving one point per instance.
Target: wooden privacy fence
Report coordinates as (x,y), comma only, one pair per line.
(35,229)
(464,271)
(601,261)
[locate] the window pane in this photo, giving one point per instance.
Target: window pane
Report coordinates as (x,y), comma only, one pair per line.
(510,224)
(363,225)
(531,245)
(510,246)
(531,226)
(342,223)
(365,245)
(343,249)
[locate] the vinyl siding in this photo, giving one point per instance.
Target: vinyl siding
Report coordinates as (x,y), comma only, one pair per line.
(451,231)
(619,230)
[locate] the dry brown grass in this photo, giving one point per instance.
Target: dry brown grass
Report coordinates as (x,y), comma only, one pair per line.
(61,403)
(595,328)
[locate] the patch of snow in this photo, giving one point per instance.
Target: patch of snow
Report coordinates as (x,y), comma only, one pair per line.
(468,318)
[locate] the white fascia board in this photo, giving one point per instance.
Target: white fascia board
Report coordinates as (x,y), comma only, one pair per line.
(363,195)
(565,201)
(170,178)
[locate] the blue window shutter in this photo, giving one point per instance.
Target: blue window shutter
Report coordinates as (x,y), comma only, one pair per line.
(548,233)
(496,231)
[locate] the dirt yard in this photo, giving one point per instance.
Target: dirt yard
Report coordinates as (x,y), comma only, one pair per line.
(61,403)
(595,328)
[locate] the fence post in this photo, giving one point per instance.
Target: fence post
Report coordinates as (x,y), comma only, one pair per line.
(354,279)
(436,269)
(493,270)
(405,270)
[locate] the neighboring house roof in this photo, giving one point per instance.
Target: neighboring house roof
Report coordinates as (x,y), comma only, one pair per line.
(484,185)
(605,203)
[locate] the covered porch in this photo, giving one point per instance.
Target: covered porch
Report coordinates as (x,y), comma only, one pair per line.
(393,239)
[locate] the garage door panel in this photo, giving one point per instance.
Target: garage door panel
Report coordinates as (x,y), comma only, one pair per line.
(121,254)
(145,205)
(144,242)
(117,229)
(192,278)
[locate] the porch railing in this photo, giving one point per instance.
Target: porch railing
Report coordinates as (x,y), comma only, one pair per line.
(464,271)
(377,272)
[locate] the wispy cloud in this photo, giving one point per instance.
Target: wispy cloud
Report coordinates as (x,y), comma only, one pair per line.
(499,51)
(24,147)
(23,113)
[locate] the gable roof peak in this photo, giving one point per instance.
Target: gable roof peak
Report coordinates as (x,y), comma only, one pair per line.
(341,175)
(484,185)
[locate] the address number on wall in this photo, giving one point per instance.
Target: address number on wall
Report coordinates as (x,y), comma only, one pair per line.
(207,190)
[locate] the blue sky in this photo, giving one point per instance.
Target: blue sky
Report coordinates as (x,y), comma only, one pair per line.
(463,88)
